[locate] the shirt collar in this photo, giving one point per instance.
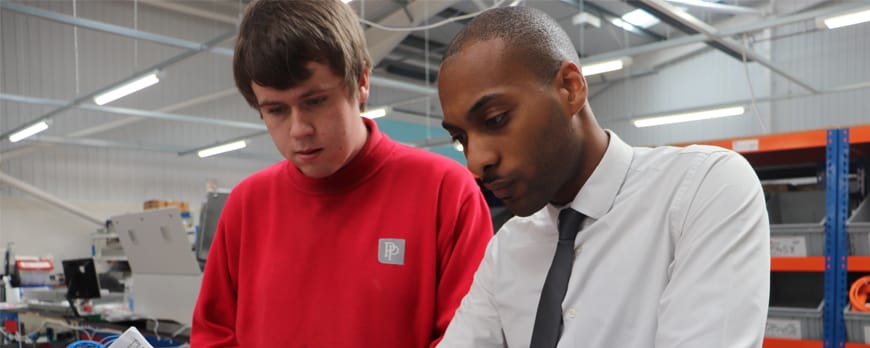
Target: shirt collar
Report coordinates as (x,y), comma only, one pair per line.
(597,195)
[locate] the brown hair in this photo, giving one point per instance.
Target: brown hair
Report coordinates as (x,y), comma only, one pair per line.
(278,38)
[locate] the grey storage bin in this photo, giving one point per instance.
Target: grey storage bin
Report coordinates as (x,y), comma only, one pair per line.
(797,223)
(857,325)
(795,323)
(858,229)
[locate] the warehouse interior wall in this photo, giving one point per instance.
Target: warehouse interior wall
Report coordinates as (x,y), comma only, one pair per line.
(45,59)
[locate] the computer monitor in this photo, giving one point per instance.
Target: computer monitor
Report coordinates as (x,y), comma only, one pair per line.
(81,279)
(208,221)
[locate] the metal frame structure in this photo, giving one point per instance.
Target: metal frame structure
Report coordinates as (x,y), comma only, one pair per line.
(386,40)
(836,248)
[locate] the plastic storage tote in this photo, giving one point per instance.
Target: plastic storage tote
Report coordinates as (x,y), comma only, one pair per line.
(797,223)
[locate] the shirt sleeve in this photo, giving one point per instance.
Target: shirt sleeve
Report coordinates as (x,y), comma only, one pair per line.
(214,317)
(717,294)
(463,236)
(476,323)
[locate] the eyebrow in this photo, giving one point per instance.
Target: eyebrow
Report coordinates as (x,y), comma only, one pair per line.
(268,102)
(480,103)
(310,92)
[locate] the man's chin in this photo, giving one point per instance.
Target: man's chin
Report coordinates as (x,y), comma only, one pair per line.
(315,172)
(522,208)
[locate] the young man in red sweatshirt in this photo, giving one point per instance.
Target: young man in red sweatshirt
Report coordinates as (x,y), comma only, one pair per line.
(355,240)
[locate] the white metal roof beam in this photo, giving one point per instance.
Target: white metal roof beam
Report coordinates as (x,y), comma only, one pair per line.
(711,33)
(27,149)
(137,112)
(49,198)
(671,43)
(137,34)
(182,8)
(834,90)
(382,42)
(164,64)
(161,148)
(108,28)
(714,7)
(686,40)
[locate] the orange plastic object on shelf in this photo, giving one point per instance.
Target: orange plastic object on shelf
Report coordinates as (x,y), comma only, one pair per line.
(858,294)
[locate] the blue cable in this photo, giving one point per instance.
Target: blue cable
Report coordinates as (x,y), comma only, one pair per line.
(108,340)
(85,344)
(103,343)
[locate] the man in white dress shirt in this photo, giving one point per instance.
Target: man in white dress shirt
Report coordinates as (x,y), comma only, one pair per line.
(673,243)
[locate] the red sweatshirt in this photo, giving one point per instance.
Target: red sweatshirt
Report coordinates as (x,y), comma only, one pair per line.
(377,255)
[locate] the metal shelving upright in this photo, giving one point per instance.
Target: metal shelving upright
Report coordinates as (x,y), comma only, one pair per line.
(835,146)
(836,249)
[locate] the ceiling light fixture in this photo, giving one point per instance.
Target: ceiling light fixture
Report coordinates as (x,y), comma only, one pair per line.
(605,66)
(375,113)
(689,116)
(638,18)
(214,150)
(127,88)
(28,132)
(843,20)
(586,19)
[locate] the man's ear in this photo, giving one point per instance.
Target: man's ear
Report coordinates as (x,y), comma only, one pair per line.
(363,88)
(572,87)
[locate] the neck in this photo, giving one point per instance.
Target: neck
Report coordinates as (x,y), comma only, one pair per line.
(592,144)
(359,135)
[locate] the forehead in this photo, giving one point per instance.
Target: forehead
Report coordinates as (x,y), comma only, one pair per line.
(479,69)
(322,77)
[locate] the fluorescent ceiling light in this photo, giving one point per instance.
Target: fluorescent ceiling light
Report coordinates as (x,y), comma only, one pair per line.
(29,131)
(639,18)
(605,66)
(622,24)
(375,113)
(689,116)
(844,20)
(214,150)
(346,1)
(127,88)
(586,18)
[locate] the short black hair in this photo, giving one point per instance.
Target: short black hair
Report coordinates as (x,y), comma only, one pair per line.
(529,33)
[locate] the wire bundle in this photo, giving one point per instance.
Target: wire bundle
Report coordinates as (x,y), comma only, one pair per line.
(103,343)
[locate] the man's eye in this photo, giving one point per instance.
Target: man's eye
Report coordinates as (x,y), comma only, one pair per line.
(496,121)
(277,110)
(316,101)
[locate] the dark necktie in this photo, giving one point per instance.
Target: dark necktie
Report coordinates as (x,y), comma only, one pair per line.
(548,321)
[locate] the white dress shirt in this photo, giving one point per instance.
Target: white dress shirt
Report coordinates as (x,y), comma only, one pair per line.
(674,252)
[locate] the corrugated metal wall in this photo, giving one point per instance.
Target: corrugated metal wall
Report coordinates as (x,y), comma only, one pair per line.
(722,79)
(825,59)
(37,58)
